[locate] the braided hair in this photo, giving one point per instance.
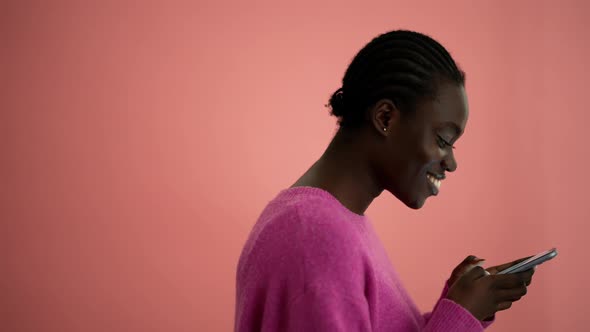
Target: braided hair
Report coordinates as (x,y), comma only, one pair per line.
(403,66)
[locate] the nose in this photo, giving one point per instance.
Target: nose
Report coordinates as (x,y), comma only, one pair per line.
(449,163)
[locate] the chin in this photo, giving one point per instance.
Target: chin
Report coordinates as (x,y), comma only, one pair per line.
(416,204)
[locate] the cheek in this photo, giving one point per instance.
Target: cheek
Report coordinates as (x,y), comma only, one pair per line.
(426,156)
(425,159)
(420,154)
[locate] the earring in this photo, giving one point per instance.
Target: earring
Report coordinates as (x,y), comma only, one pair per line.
(384,129)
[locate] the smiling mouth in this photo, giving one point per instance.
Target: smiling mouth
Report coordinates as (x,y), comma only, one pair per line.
(434,182)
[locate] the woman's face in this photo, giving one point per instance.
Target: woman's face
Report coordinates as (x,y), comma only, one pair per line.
(418,148)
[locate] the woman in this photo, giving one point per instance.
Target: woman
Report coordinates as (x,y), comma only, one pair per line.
(313,261)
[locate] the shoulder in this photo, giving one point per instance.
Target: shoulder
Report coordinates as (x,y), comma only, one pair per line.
(307,214)
(308,238)
(302,257)
(307,224)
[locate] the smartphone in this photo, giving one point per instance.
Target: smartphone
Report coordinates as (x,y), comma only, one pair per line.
(531,262)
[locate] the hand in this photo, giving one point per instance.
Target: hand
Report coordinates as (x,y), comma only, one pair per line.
(483,295)
(463,267)
(498,268)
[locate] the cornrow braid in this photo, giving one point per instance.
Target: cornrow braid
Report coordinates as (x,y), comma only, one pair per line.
(400,65)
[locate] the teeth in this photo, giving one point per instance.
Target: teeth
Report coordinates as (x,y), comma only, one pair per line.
(434,181)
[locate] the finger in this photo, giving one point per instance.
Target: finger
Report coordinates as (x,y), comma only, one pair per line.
(475,273)
(468,259)
(529,280)
(504,305)
(492,270)
(527,275)
(474,263)
(507,281)
(511,295)
(471,259)
(460,269)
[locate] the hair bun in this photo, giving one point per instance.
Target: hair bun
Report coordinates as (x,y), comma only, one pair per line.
(337,103)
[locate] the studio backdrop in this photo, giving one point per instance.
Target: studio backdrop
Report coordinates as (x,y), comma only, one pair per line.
(140,141)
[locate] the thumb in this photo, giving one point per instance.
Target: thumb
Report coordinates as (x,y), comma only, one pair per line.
(466,265)
(474,263)
(475,273)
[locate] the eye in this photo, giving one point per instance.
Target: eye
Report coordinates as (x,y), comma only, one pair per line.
(443,143)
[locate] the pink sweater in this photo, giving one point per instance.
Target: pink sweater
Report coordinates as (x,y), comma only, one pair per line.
(310,264)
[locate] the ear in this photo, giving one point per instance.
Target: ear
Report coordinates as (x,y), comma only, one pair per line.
(384,116)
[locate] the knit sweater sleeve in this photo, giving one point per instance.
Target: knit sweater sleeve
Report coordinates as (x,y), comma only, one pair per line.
(328,308)
(448,304)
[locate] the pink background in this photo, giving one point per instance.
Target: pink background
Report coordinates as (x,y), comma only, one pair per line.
(141,140)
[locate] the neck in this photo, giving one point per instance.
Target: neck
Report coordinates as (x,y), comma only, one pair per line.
(345,172)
